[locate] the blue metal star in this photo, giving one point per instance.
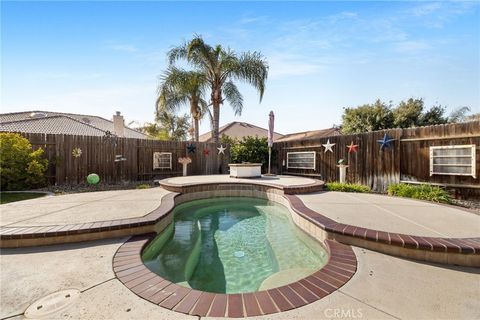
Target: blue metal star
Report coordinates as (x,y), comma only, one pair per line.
(191,148)
(385,142)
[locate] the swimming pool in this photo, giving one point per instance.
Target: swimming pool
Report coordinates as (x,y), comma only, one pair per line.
(233,245)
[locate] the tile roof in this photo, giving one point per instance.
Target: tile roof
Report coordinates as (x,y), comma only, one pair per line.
(315,134)
(239,130)
(60,123)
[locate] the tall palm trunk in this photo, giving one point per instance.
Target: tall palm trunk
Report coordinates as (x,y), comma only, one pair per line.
(216,101)
(196,117)
(196,128)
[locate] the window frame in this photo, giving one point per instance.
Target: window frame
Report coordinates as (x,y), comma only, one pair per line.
(472,158)
(304,152)
(160,154)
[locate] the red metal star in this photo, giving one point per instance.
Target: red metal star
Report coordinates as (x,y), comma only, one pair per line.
(352,147)
(206,152)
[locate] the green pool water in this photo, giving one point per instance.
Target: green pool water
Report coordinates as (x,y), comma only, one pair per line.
(233,245)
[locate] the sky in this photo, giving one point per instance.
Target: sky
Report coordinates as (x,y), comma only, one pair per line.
(100,57)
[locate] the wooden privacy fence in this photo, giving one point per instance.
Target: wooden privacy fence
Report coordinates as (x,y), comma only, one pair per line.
(407,160)
(121,159)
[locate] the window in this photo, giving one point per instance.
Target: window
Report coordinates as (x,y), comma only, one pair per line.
(162,160)
(301,160)
(453,160)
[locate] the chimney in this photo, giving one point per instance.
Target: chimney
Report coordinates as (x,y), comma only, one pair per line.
(118,124)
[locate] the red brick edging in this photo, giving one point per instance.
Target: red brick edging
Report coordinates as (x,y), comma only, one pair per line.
(130,270)
(435,244)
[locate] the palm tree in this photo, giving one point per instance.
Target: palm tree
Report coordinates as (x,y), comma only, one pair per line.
(180,87)
(221,67)
(174,125)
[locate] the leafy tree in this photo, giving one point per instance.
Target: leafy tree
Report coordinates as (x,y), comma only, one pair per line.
(21,168)
(249,149)
(368,117)
(435,115)
(408,113)
(221,67)
(168,126)
(154,130)
(180,87)
(176,126)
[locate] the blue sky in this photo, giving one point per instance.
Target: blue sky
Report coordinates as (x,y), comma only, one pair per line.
(99,57)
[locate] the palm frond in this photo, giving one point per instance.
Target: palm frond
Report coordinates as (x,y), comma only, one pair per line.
(253,69)
(234,97)
(177,53)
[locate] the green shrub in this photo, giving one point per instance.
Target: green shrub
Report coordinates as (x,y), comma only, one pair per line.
(249,149)
(421,192)
(21,168)
(143,186)
(347,187)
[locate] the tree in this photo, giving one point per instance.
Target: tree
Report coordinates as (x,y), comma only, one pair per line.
(180,87)
(408,113)
(221,67)
(459,114)
(154,130)
(249,149)
(168,126)
(368,117)
(435,115)
(21,168)
(175,126)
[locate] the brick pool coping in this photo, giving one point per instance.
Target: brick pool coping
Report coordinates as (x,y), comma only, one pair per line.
(130,270)
(19,236)
(454,245)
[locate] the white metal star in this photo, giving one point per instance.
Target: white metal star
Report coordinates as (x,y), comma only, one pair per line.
(221,149)
(328,146)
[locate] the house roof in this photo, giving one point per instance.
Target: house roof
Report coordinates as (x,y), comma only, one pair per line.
(315,134)
(60,123)
(239,130)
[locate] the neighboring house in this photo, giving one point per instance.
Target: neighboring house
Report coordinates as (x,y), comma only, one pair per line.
(239,130)
(306,135)
(66,123)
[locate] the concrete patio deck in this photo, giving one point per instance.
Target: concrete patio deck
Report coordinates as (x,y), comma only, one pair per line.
(81,207)
(383,287)
(290,181)
(393,214)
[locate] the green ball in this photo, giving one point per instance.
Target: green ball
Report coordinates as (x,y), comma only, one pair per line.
(93,178)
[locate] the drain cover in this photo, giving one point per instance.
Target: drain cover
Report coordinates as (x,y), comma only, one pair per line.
(52,303)
(239,254)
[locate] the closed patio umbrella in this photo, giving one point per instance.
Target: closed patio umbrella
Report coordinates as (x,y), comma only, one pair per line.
(271,120)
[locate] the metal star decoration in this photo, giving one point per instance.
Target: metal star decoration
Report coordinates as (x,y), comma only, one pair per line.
(352,147)
(206,152)
(328,146)
(221,149)
(191,148)
(385,142)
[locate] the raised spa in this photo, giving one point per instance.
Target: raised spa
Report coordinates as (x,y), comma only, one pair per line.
(233,245)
